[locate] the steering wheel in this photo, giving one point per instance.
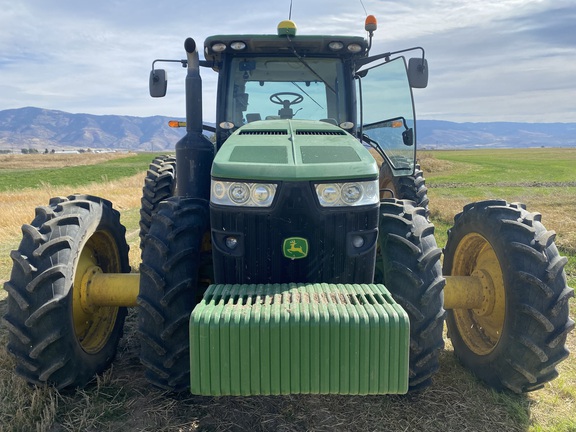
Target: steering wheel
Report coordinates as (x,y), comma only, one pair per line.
(297,98)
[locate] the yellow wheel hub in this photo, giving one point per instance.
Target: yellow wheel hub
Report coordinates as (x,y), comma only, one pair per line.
(94,324)
(480,328)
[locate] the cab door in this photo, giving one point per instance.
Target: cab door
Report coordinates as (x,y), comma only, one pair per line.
(387,115)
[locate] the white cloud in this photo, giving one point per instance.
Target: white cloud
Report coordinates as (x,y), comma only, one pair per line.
(495,60)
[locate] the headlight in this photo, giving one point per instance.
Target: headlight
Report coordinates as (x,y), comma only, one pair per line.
(242,194)
(347,194)
(218,47)
(354,48)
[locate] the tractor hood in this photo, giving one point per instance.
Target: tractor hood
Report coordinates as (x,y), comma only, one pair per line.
(293,150)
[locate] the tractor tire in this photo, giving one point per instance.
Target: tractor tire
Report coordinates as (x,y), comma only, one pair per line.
(53,336)
(169,290)
(411,187)
(518,337)
(159,185)
(408,264)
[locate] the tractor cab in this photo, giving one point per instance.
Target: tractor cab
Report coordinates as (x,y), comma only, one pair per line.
(329,79)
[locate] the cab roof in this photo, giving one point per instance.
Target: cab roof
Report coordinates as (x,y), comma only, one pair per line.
(217,47)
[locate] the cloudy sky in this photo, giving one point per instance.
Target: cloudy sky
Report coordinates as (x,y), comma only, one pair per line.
(489,60)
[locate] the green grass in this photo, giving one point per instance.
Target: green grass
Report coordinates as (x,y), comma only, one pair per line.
(543,179)
(522,166)
(16,179)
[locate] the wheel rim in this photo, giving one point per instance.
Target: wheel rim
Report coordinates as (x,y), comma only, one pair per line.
(480,329)
(93,325)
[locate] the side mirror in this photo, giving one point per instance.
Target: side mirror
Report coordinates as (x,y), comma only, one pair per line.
(418,72)
(158,83)
(408,137)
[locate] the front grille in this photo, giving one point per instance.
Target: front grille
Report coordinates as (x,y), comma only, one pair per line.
(295,214)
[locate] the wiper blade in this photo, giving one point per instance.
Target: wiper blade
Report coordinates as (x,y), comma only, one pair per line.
(305,63)
(306,93)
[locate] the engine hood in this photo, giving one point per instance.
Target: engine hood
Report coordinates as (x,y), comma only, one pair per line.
(293,150)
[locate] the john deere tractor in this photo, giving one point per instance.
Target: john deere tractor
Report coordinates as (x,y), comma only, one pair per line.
(280,256)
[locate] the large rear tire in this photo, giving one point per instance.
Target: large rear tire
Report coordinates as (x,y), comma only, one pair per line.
(411,187)
(55,337)
(408,264)
(518,337)
(159,185)
(169,290)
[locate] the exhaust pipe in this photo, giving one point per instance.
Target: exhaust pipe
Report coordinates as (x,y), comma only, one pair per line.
(194,152)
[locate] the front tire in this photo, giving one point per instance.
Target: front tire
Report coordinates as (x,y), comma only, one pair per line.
(518,337)
(408,264)
(53,336)
(169,290)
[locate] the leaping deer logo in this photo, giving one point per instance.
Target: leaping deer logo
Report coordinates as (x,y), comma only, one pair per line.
(295,247)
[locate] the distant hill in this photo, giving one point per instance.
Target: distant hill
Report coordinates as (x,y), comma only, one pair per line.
(434,134)
(40,129)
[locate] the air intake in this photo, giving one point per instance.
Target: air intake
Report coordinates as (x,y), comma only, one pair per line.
(320,132)
(263,132)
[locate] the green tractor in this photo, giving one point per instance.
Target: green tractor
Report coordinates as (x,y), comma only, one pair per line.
(281,257)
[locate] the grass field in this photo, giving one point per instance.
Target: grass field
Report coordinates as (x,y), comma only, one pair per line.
(121,399)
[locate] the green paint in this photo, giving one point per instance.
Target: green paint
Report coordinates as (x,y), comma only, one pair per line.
(293,150)
(298,338)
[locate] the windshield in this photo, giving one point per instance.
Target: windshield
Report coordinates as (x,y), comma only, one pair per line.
(265,88)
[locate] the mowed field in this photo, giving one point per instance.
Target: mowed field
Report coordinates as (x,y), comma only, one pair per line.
(121,399)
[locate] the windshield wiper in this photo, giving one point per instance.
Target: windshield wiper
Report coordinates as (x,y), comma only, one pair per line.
(306,93)
(305,63)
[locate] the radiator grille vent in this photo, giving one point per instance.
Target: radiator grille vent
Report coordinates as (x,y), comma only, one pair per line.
(264,132)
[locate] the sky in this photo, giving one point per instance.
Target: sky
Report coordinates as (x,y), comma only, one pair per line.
(489,60)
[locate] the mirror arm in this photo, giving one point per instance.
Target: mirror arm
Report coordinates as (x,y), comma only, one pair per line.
(184,62)
(387,56)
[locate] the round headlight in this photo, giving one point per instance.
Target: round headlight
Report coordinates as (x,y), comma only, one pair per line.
(262,194)
(239,193)
(231,242)
(351,193)
(328,193)
(371,191)
(218,190)
(357,241)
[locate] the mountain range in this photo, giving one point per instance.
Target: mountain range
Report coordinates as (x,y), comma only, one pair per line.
(41,129)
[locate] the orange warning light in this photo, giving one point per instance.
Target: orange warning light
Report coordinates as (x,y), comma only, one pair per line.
(371,24)
(176,124)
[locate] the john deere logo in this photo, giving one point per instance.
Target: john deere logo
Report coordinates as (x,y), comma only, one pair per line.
(295,247)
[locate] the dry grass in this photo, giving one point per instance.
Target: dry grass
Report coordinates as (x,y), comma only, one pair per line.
(122,400)
(17,208)
(55,160)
